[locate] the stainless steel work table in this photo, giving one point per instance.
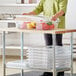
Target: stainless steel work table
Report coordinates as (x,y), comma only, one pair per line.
(53,32)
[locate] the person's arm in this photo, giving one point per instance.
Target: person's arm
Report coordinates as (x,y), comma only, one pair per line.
(62,9)
(30,13)
(57,15)
(37,10)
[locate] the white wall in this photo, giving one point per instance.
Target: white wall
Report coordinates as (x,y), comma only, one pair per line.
(13,1)
(7,1)
(71,14)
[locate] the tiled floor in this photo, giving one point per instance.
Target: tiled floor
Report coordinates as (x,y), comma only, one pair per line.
(12,71)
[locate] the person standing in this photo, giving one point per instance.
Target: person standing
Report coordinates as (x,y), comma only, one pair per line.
(55,9)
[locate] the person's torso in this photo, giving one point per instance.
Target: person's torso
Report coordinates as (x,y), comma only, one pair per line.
(50,8)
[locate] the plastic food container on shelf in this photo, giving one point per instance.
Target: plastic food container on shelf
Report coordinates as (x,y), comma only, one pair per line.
(42,58)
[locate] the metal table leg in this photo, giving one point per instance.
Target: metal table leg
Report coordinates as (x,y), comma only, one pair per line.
(71,45)
(22,40)
(4,65)
(54,59)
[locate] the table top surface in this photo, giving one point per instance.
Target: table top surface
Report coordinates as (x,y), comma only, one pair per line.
(55,31)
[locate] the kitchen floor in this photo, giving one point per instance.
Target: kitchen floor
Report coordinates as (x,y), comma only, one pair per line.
(12,71)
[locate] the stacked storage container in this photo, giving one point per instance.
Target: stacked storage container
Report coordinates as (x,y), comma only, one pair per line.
(43,57)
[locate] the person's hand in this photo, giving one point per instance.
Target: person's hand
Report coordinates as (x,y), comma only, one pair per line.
(25,14)
(57,15)
(54,18)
